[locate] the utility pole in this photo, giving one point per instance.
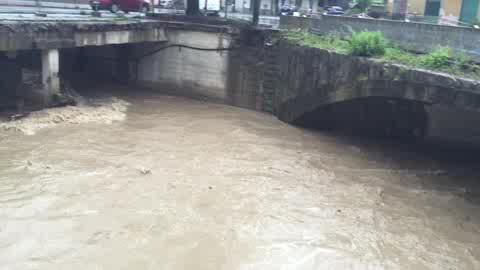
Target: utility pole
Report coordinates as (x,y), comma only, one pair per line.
(226,9)
(256,11)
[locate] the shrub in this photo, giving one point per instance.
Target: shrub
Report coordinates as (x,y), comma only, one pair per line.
(353,11)
(363,4)
(439,58)
(330,42)
(367,44)
(461,60)
(476,22)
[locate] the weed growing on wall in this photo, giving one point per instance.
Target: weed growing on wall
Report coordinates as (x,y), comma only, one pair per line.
(439,58)
(367,44)
(329,42)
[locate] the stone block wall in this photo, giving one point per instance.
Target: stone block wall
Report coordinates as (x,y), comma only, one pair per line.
(320,85)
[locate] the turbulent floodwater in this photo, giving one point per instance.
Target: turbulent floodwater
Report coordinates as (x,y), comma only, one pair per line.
(159,182)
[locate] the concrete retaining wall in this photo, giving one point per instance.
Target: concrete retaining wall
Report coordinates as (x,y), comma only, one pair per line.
(197,71)
(216,66)
(419,37)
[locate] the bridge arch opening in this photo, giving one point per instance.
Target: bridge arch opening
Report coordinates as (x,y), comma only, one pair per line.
(370,116)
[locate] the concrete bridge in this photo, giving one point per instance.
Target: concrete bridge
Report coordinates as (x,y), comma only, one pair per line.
(116,49)
(233,64)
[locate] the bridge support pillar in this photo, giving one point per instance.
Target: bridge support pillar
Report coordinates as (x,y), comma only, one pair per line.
(123,53)
(50,79)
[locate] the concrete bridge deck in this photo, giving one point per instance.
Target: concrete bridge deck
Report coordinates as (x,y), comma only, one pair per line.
(54,35)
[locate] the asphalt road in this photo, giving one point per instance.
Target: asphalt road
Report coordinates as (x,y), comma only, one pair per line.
(79,10)
(71,10)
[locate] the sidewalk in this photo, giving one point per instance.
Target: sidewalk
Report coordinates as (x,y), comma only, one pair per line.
(272,21)
(65,4)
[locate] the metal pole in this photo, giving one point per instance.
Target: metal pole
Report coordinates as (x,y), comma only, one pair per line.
(38,5)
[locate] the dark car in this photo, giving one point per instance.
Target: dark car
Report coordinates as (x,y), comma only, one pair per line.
(288,10)
(123,5)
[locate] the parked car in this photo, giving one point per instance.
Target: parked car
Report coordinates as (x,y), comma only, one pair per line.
(210,7)
(335,10)
(123,5)
(288,10)
(165,4)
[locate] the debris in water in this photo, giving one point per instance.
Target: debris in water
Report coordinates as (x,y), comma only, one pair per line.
(18,116)
(210,187)
(145,171)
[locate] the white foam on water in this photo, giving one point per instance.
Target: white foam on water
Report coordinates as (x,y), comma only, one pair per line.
(98,110)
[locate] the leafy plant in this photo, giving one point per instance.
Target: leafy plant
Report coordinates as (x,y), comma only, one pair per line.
(439,58)
(330,42)
(367,44)
(462,60)
(353,11)
(373,44)
(403,57)
(475,22)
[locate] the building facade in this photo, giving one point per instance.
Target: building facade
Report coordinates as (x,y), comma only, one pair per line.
(448,11)
(269,7)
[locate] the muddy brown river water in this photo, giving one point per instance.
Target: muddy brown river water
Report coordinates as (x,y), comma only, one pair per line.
(146,181)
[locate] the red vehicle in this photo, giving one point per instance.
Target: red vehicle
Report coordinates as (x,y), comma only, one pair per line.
(123,5)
